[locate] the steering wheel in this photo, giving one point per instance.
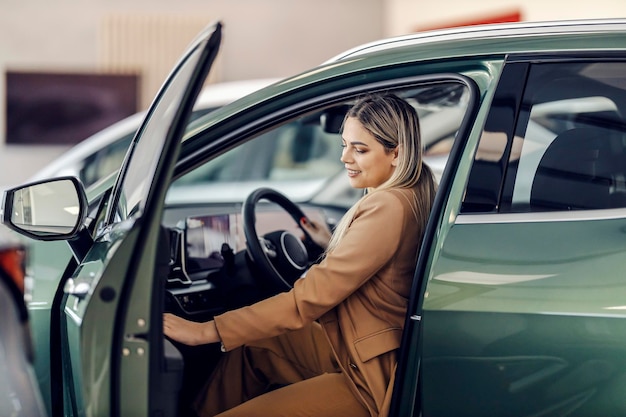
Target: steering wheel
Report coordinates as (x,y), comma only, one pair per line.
(281,256)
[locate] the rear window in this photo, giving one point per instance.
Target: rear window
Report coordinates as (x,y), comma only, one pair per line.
(568,149)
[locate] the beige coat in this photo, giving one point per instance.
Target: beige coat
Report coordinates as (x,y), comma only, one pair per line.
(358,293)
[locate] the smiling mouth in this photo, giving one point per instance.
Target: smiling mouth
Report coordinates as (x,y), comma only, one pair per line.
(352,173)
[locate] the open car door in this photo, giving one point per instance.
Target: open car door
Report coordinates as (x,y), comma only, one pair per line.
(114,359)
(146,371)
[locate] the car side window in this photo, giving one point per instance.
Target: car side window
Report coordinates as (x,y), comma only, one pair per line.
(569,148)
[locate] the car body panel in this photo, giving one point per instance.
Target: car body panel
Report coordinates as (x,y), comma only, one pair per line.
(533,311)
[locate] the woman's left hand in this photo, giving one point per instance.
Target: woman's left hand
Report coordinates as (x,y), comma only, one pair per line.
(189,332)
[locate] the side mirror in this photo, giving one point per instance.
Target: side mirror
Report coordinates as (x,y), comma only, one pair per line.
(46,210)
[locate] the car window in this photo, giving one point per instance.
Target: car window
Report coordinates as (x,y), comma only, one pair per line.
(300,158)
(109,158)
(105,161)
(555,142)
(569,151)
(160,124)
(299,150)
(296,158)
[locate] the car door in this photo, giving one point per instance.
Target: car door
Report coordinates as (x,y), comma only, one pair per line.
(114,359)
(523,307)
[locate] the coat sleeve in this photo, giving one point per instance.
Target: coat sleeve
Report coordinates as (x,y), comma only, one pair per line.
(370,242)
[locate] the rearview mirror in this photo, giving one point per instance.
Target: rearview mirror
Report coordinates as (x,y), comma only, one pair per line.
(332,118)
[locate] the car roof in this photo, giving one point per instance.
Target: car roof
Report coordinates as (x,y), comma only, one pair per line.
(503,33)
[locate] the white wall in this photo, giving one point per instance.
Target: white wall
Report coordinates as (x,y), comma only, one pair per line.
(404,15)
(262,38)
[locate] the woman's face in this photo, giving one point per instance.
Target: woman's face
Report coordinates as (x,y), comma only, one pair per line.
(365,159)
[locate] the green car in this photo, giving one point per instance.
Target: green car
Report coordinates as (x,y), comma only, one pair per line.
(518,304)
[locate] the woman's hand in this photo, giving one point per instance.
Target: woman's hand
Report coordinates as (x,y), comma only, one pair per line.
(319,232)
(189,332)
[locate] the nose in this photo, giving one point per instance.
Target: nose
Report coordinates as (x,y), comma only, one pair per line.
(345,155)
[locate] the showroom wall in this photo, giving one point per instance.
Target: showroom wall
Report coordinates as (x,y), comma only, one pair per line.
(262,38)
(403,16)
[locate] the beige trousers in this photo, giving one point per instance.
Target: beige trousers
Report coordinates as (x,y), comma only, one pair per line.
(290,375)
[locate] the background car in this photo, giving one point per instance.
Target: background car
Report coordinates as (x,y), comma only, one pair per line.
(19,391)
(102,153)
(516,307)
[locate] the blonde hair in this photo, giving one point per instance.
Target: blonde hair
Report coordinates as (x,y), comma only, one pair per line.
(395,125)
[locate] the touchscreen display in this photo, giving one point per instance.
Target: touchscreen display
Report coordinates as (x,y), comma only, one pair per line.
(204,237)
(205,234)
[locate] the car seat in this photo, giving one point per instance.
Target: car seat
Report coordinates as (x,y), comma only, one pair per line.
(583,168)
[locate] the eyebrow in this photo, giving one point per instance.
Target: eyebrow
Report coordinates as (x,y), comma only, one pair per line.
(356,142)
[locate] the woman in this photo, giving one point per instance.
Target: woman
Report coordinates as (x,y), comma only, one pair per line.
(329,346)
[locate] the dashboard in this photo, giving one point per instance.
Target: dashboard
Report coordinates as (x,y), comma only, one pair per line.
(210,269)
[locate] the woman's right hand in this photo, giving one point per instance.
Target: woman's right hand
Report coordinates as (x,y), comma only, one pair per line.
(189,332)
(319,232)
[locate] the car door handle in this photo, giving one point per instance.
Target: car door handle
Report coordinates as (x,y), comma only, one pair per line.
(77,289)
